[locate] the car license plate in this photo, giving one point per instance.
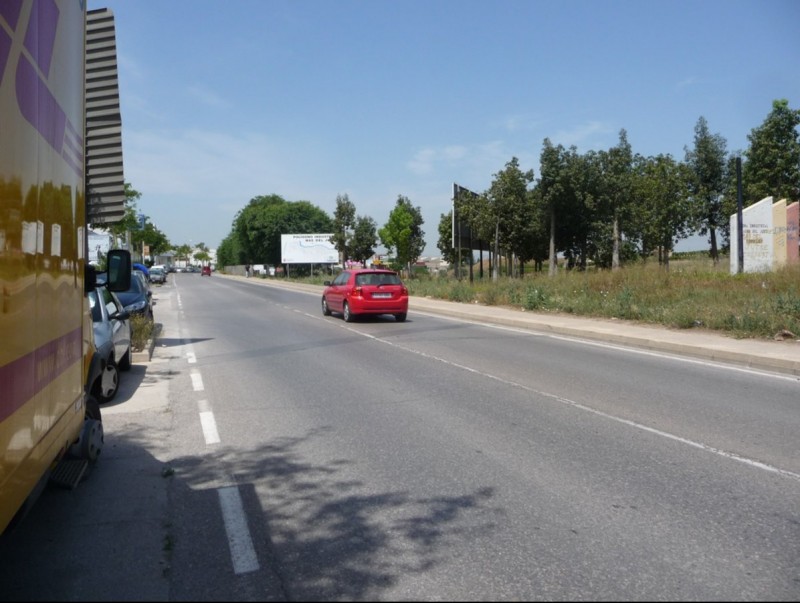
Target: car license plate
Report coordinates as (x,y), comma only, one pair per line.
(381,295)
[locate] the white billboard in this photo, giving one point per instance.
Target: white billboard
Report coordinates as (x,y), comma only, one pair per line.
(308,249)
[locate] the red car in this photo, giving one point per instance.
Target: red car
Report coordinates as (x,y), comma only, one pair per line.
(366,291)
(205,271)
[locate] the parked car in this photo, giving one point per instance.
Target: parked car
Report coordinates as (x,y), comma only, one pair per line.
(366,291)
(143,268)
(205,271)
(158,275)
(138,299)
(112,340)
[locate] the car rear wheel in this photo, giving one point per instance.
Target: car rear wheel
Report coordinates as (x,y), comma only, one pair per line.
(400,317)
(125,361)
(326,311)
(348,315)
(108,383)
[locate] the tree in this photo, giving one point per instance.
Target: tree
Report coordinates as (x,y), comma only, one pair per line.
(508,196)
(259,226)
(403,233)
(445,242)
(151,236)
(662,186)
(343,218)
(364,239)
(772,166)
(615,190)
(707,162)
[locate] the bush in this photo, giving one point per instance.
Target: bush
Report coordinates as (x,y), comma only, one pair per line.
(141,331)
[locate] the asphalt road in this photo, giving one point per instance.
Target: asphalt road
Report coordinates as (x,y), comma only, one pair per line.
(270,453)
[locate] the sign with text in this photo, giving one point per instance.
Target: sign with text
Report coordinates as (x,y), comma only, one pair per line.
(308,249)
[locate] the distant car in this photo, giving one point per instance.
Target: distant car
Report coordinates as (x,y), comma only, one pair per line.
(158,275)
(138,299)
(366,291)
(112,340)
(205,271)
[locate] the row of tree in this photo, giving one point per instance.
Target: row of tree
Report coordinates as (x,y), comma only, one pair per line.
(255,236)
(605,207)
(611,206)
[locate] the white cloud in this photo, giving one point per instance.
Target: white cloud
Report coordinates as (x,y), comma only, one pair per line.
(456,158)
(207,97)
(591,135)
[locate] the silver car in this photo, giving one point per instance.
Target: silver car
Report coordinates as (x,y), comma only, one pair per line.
(112,339)
(158,275)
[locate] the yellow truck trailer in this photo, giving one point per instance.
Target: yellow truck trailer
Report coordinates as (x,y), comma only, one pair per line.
(47,415)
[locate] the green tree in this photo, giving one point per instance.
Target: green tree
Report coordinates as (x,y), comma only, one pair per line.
(707,162)
(152,237)
(403,233)
(363,239)
(130,219)
(343,219)
(772,166)
(615,191)
(508,196)
(665,212)
(261,223)
(445,242)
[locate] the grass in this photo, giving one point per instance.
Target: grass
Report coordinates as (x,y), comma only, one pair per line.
(693,294)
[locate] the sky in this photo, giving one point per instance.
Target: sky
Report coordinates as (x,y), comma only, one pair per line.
(226,100)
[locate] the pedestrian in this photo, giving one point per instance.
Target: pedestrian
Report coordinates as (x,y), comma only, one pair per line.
(247,270)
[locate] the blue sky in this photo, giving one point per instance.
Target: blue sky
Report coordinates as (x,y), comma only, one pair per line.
(309,99)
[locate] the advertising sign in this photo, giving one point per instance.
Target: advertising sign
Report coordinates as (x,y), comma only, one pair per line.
(308,249)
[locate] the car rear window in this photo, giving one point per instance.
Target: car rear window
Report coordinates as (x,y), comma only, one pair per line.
(377,278)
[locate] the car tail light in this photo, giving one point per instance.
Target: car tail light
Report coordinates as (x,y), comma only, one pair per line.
(357,292)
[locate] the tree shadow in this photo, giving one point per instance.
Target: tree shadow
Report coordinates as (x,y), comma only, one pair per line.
(330,537)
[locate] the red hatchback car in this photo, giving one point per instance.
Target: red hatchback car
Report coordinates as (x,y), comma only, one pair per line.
(366,291)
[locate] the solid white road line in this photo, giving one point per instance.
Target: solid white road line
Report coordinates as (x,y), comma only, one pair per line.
(243,554)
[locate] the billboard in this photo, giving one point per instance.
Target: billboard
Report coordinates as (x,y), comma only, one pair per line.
(462,236)
(308,249)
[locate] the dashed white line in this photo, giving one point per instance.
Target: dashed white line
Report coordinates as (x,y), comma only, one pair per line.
(197,381)
(243,554)
(209,425)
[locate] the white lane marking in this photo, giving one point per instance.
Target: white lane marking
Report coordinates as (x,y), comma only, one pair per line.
(209,425)
(243,554)
(723,453)
(191,357)
(619,347)
(197,381)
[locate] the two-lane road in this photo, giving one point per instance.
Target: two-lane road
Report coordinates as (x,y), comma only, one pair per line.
(312,459)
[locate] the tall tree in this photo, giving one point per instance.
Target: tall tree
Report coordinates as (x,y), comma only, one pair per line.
(772,167)
(344,217)
(617,174)
(508,196)
(662,186)
(445,242)
(403,233)
(707,162)
(364,239)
